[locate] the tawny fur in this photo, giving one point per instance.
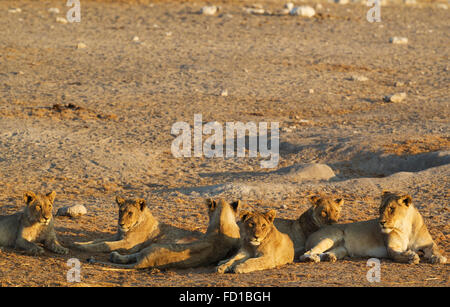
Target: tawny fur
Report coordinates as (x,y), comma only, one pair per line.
(220,239)
(262,245)
(25,230)
(399,233)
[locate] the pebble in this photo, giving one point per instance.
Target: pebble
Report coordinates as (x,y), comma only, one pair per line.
(398,40)
(343,2)
(395,98)
(72,211)
(81,46)
(136,39)
(359,78)
(442,6)
(53,10)
(15,10)
(399,83)
(224,93)
(289,6)
(311,91)
(61,20)
(209,10)
(254,11)
(304,11)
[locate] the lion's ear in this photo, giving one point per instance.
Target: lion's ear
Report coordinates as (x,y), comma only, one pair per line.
(210,203)
(339,201)
(244,215)
(405,200)
(51,196)
(120,201)
(236,205)
(270,215)
(29,197)
(314,199)
(142,204)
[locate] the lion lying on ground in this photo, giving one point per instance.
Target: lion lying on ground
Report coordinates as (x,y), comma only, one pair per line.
(33,225)
(220,240)
(324,211)
(399,233)
(263,246)
(137,229)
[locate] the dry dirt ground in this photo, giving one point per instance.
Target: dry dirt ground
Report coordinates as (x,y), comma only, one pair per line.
(96,122)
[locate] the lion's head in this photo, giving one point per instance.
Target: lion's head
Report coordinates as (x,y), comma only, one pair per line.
(393,210)
(131,212)
(256,226)
(39,207)
(325,210)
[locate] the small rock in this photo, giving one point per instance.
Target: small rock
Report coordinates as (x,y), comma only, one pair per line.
(224,93)
(343,2)
(284,207)
(254,11)
(15,10)
(72,211)
(209,10)
(289,6)
(395,98)
(398,40)
(53,10)
(442,6)
(319,6)
(283,12)
(136,39)
(61,20)
(81,46)
(304,11)
(311,91)
(398,83)
(359,78)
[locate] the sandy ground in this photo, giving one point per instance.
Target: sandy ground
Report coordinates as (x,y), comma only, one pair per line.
(96,122)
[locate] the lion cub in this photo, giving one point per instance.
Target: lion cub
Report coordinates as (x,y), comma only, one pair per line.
(398,233)
(263,246)
(220,240)
(33,225)
(325,210)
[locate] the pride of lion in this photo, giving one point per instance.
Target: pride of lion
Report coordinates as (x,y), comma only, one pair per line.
(236,241)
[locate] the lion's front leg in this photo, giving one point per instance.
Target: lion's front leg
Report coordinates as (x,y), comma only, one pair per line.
(433,254)
(52,244)
(398,252)
(254,264)
(226,265)
(313,255)
(105,246)
(28,247)
(115,257)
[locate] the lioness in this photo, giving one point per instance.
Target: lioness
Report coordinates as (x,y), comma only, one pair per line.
(263,246)
(399,233)
(33,225)
(220,239)
(325,210)
(137,228)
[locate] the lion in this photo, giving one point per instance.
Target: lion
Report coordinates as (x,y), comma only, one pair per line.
(137,229)
(325,210)
(220,240)
(34,225)
(263,246)
(399,233)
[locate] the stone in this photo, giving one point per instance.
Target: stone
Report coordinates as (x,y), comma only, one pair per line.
(209,10)
(304,11)
(395,98)
(398,40)
(72,211)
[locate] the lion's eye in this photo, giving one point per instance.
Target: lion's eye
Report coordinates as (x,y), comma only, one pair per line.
(251,224)
(38,207)
(324,214)
(130,213)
